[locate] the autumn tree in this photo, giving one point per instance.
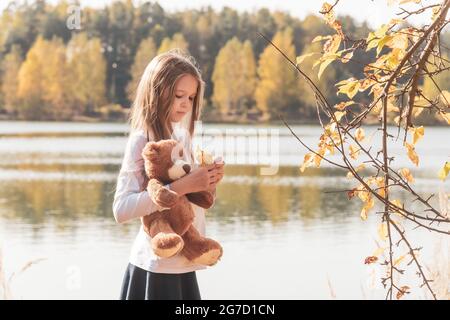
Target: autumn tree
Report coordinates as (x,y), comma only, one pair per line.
(177,41)
(234,77)
(10,82)
(32,83)
(404,56)
(87,73)
(276,90)
(145,53)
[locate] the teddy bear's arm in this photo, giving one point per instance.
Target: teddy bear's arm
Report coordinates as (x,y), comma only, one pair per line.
(204,199)
(162,196)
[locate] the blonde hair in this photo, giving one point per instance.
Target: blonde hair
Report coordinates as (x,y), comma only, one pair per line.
(155,93)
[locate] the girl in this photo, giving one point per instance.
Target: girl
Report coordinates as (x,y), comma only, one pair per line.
(169,95)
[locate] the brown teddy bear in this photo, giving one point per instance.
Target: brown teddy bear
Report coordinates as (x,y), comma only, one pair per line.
(171,228)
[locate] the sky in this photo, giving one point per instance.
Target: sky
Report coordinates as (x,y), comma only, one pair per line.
(374,12)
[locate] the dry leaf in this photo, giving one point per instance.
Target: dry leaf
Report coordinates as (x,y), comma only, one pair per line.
(443,173)
(306,161)
(359,134)
(417,134)
(339,115)
(402,291)
(412,155)
(407,175)
(383,231)
(371,259)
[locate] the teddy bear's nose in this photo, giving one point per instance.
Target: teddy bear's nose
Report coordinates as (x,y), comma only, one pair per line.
(186,168)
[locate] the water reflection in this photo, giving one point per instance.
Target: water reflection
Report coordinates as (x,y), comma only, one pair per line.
(57,185)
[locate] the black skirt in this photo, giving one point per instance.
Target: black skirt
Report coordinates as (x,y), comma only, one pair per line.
(140,284)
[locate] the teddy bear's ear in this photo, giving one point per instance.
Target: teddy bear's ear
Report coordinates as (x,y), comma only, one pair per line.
(153,146)
(151,151)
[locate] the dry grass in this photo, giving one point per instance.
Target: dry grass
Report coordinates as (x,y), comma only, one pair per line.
(439,269)
(5,282)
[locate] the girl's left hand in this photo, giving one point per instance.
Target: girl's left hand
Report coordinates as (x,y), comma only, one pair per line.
(219,171)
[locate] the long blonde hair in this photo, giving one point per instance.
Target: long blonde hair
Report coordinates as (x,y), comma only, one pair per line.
(155,93)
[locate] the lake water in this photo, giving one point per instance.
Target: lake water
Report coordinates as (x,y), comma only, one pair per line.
(285,235)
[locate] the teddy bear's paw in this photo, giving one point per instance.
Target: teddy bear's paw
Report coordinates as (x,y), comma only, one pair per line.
(209,258)
(166,245)
(166,198)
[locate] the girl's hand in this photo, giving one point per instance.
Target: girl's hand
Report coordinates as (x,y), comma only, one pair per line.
(218,175)
(218,172)
(199,179)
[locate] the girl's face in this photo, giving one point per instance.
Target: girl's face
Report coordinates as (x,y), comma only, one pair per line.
(185,92)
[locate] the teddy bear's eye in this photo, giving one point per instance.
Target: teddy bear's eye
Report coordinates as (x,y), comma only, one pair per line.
(181,153)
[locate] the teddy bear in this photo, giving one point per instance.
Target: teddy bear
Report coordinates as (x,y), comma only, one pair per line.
(171,228)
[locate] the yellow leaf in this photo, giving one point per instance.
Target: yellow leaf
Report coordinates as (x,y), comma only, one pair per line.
(443,173)
(399,41)
(358,168)
(362,193)
(407,175)
(359,134)
(339,115)
(354,152)
(306,161)
(363,214)
(383,231)
(395,21)
(380,184)
(349,87)
(382,42)
(301,58)
(412,153)
(399,205)
(394,57)
(347,57)
(379,251)
(367,206)
(366,84)
(374,37)
(342,105)
(317,158)
(399,259)
(324,65)
(406,1)
(321,38)
(372,41)
(417,134)
(332,45)
(203,157)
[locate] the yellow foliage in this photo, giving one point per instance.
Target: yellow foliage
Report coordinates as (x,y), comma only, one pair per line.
(234,85)
(443,173)
(342,105)
(383,231)
(412,155)
(367,206)
(354,152)
(359,134)
(349,87)
(176,42)
(306,161)
(417,134)
(407,175)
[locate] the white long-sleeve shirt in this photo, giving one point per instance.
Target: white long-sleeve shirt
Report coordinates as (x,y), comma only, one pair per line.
(131,202)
